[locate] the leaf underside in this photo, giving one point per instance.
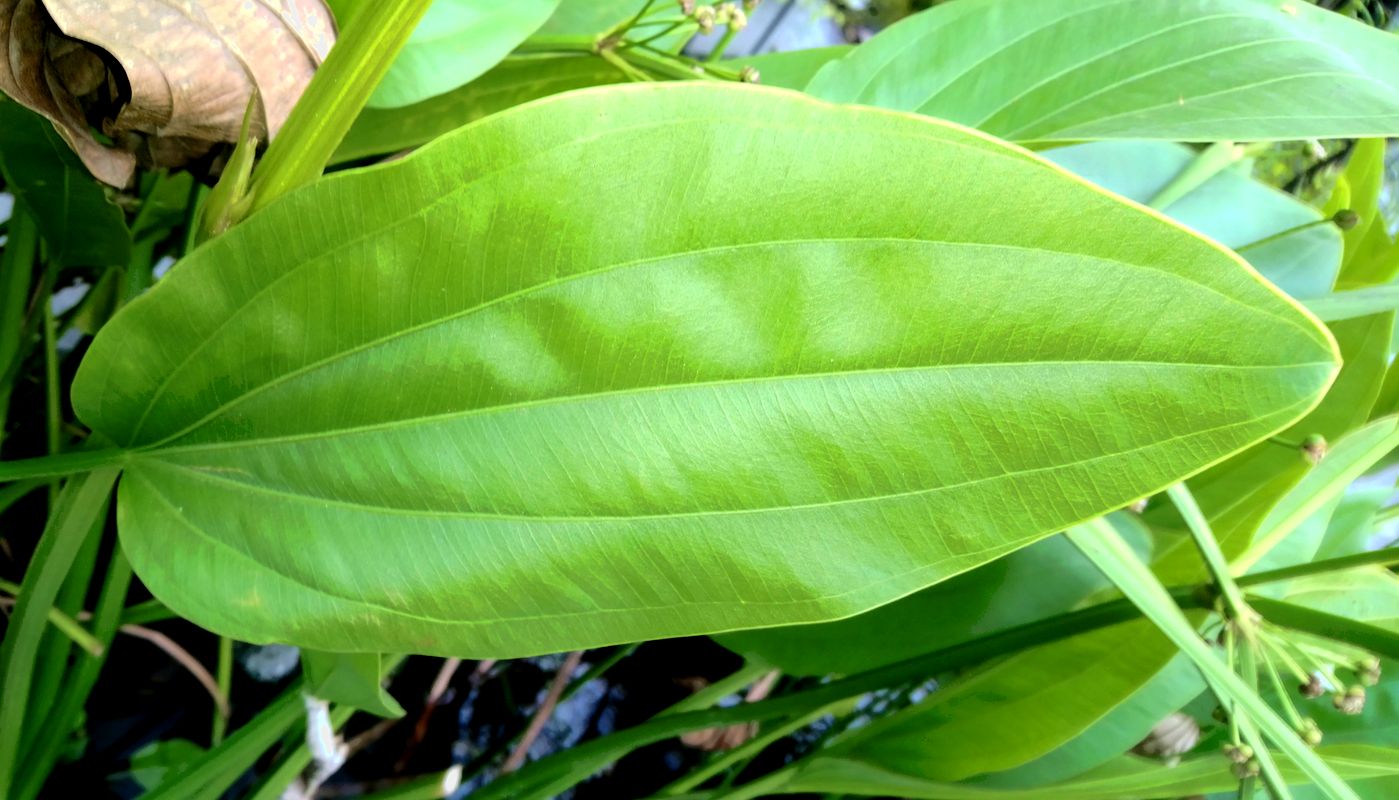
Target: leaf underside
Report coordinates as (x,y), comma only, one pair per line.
(1185,70)
(762,361)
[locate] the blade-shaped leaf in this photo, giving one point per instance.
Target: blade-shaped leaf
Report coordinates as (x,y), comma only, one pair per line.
(1193,70)
(467,403)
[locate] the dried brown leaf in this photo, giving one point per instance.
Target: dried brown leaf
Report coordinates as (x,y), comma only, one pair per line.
(166,82)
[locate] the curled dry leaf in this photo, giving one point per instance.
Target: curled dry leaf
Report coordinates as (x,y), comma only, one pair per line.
(165,82)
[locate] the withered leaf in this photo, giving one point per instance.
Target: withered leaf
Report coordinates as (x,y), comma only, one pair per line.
(160,83)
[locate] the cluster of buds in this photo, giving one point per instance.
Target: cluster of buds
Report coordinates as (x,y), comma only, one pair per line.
(1351,701)
(729,15)
(1245,765)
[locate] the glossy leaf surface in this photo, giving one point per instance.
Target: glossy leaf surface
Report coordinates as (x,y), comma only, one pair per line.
(1192,70)
(465,403)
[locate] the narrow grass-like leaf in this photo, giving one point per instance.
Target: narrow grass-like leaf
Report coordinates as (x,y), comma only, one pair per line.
(464,403)
(78,506)
(1101,543)
(1354,303)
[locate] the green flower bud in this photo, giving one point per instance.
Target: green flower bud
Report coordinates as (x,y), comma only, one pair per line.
(1313,688)
(1310,732)
(1351,702)
(1346,219)
(706,17)
(1314,448)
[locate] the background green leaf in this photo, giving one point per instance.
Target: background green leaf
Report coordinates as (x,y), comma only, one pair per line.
(455,42)
(463,403)
(1231,208)
(1044,579)
(1190,70)
(79,225)
(516,80)
(355,679)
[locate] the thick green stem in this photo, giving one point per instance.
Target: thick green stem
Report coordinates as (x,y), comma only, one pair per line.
(1386,556)
(79,505)
(338,92)
(225,682)
(70,463)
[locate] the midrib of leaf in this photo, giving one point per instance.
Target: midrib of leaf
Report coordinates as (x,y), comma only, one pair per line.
(212,477)
(934,134)
(663,259)
(931,566)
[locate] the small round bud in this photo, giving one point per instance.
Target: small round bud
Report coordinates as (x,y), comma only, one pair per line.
(1351,702)
(749,5)
(1313,688)
(1345,219)
(1369,671)
(1138,506)
(687,7)
(1310,732)
(749,75)
(724,13)
(1238,753)
(706,17)
(738,20)
(1314,448)
(1247,769)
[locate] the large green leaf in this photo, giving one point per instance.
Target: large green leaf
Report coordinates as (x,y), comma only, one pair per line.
(474,402)
(456,41)
(80,226)
(1072,70)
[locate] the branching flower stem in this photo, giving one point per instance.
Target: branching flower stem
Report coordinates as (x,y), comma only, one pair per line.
(1236,609)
